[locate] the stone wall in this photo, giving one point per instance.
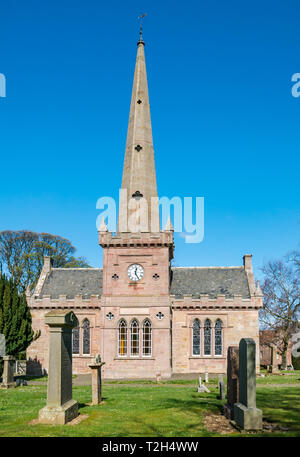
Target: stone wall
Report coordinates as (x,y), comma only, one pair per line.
(236,325)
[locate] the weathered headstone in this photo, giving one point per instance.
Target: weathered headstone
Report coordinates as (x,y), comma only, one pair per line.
(60,408)
(201,387)
(8,372)
(96,380)
(232,380)
(246,415)
(222,390)
(273,368)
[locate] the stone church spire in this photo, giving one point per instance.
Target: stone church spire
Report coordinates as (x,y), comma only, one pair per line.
(139,177)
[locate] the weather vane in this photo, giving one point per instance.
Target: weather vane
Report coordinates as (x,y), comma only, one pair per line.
(141,25)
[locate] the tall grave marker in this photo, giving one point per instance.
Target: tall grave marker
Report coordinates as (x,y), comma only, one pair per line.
(60,408)
(246,415)
(232,380)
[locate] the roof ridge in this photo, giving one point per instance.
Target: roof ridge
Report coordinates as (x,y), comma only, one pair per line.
(70,269)
(235,267)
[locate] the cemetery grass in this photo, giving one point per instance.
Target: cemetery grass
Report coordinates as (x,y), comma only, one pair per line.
(147,411)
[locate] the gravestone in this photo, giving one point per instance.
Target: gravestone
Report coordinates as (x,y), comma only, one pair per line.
(222,390)
(246,415)
(60,408)
(273,368)
(201,387)
(96,380)
(232,380)
(8,372)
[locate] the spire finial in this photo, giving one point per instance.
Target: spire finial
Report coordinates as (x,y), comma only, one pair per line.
(141,28)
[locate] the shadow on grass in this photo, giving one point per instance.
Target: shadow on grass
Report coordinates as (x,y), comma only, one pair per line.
(281,406)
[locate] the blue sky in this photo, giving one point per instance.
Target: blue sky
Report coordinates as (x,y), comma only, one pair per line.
(225,124)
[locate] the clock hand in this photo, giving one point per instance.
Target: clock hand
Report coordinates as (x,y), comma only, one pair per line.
(136,274)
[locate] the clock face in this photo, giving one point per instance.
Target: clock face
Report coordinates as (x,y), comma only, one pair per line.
(135,272)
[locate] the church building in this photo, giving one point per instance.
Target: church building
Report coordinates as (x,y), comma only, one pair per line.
(143,316)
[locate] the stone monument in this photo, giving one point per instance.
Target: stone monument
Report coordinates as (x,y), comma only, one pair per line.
(232,380)
(201,387)
(246,415)
(60,408)
(96,380)
(8,372)
(273,368)
(222,390)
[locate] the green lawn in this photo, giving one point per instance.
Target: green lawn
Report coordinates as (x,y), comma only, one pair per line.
(148,410)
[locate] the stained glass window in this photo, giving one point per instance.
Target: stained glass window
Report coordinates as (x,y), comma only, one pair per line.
(196,337)
(218,337)
(134,332)
(147,338)
(75,340)
(122,338)
(207,337)
(86,337)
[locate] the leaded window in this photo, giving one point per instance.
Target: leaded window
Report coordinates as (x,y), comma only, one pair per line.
(218,337)
(134,335)
(147,338)
(196,337)
(75,340)
(207,337)
(86,337)
(122,338)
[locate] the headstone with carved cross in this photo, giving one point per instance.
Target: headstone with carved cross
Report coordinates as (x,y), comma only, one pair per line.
(96,380)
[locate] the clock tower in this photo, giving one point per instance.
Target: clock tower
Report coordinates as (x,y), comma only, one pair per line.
(136,260)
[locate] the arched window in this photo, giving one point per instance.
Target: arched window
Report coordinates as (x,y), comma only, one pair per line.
(134,337)
(147,338)
(75,340)
(207,337)
(86,337)
(122,337)
(218,337)
(196,337)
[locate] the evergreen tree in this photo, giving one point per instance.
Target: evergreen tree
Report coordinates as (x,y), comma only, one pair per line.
(15,318)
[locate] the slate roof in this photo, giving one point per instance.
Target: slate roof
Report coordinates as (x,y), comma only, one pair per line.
(73,281)
(184,281)
(212,281)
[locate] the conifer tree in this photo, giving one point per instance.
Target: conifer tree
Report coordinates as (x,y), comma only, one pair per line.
(15,318)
